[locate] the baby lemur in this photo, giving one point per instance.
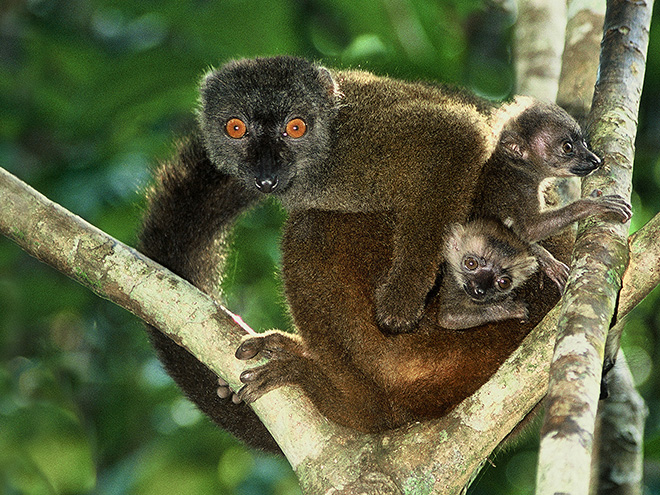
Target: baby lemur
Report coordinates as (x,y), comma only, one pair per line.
(485,263)
(541,142)
(485,259)
(328,143)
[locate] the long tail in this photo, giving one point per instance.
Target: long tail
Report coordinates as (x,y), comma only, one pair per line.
(191,209)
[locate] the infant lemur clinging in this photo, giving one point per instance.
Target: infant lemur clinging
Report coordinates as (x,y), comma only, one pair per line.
(492,255)
(485,263)
(329,143)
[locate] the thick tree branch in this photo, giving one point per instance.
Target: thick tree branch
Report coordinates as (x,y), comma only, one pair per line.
(619,436)
(579,68)
(453,446)
(117,272)
(600,258)
(576,87)
(538,47)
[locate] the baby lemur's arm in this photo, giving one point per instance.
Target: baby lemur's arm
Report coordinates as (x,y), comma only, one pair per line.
(553,268)
(190,206)
(546,223)
(458,312)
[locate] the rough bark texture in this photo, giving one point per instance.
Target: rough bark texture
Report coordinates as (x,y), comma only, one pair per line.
(601,256)
(643,269)
(117,272)
(619,436)
(618,454)
(576,87)
(538,47)
(433,457)
(584,31)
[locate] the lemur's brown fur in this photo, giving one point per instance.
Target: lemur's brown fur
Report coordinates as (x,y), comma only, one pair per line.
(367,379)
(383,141)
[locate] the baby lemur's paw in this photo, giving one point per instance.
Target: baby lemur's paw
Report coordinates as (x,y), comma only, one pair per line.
(613,204)
(558,273)
(516,310)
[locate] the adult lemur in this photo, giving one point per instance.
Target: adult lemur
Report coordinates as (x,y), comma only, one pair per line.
(409,157)
(353,142)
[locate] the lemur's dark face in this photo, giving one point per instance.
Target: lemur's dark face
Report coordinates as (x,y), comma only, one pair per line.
(267,121)
(548,139)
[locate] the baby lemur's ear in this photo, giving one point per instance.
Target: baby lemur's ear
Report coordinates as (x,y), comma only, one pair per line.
(513,144)
(453,234)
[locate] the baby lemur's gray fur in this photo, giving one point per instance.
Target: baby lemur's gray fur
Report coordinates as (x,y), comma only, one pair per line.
(485,263)
(541,142)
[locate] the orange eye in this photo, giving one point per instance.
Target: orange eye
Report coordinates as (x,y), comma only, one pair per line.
(295,128)
(235,128)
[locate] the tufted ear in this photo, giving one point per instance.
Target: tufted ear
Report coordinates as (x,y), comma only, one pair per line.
(513,145)
(325,76)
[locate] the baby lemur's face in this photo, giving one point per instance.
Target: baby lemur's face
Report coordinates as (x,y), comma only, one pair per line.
(486,260)
(267,123)
(484,279)
(550,140)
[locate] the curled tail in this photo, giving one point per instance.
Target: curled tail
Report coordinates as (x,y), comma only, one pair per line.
(191,209)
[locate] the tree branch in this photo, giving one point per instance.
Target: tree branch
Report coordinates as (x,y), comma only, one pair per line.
(619,436)
(579,68)
(454,446)
(600,258)
(578,77)
(538,47)
(191,318)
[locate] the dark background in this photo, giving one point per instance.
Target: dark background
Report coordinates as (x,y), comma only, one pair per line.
(92,93)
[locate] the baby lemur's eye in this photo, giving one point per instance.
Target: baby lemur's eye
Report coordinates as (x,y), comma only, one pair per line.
(567,147)
(295,128)
(503,283)
(236,128)
(470,263)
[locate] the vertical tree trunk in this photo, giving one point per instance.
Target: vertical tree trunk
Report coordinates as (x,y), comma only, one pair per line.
(619,436)
(601,256)
(538,47)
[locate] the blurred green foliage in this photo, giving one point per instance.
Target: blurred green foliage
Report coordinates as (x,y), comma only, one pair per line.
(92,93)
